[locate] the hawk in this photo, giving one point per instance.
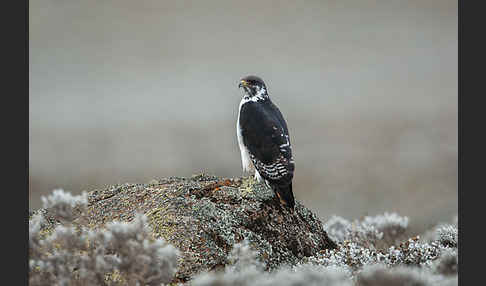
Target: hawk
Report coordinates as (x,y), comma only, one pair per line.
(264,140)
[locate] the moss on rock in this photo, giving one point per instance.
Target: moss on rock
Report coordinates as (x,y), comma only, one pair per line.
(204,216)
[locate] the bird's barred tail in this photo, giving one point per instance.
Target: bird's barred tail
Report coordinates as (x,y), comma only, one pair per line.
(284,193)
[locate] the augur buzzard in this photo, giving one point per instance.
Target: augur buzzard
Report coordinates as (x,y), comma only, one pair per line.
(264,140)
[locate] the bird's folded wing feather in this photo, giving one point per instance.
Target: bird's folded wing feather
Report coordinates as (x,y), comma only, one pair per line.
(266,137)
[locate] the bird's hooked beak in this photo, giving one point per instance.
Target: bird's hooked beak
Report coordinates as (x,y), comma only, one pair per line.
(243,83)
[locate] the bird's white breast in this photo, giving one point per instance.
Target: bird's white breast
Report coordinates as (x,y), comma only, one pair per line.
(245,155)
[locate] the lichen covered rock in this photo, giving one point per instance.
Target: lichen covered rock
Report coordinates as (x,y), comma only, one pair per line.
(204,216)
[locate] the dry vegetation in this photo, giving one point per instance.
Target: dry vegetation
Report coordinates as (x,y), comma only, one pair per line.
(371,251)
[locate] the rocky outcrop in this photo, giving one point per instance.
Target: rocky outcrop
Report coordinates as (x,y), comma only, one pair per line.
(204,216)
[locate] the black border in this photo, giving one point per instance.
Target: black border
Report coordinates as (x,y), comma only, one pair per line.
(24,133)
(471,139)
(15,141)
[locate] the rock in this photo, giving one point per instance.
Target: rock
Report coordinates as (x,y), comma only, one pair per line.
(204,216)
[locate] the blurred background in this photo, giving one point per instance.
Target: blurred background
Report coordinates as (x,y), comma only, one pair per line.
(128,91)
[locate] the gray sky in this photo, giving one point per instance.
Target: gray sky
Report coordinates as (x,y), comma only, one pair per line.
(125,91)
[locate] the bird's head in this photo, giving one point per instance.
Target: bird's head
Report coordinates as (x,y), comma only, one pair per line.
(254,87)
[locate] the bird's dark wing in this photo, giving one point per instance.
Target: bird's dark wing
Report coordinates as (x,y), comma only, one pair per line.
(265,135)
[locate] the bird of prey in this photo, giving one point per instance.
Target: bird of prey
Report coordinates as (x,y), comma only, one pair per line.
(264,140)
